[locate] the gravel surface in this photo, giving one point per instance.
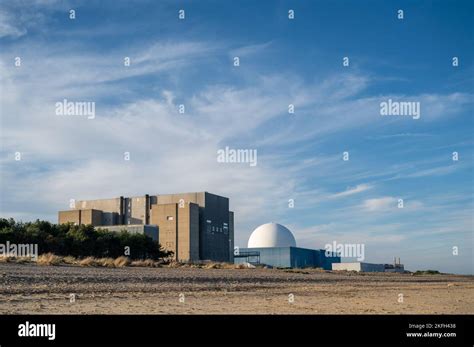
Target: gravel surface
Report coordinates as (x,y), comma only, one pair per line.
(29,288)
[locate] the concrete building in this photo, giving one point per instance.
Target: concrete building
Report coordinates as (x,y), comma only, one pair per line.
(86,216)
(368,267)
(359,267)
(195,226)
(273,244)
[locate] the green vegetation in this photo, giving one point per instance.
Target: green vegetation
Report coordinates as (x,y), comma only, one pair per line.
(427,272)
(79,240)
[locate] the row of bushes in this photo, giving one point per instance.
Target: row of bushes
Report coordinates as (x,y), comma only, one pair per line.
(80,240)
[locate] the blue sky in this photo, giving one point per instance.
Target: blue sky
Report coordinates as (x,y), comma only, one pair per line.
(282,62)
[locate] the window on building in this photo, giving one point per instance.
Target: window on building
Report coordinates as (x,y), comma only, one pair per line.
(169,218)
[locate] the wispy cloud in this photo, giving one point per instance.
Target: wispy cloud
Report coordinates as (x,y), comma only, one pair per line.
(436,171)
(8,27)
(400,135)
(350,191)
(249,50)
(299,155)
(380,204)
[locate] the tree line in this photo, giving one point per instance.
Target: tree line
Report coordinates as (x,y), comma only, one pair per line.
(80,240)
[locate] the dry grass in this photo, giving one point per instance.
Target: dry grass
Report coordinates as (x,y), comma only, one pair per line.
(49,259)
(109,262)
(5,259)
(106,262)
(175,264)
(121,261)
(18,260)
(228,266)
(207,265)
(23,260)
(145,263)
(103,262)
(89,261)
(69,260)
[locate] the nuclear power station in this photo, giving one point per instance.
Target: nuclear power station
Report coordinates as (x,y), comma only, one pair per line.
(199,226)
(273,244)
(194,226)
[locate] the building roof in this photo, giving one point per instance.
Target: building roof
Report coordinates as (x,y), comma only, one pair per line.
(271,235)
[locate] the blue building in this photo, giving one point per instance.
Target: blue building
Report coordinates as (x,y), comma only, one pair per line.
(273,244)
(286,257)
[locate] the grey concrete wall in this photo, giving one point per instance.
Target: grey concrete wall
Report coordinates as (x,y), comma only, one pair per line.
(73,216)
(166,217)
(110,209)
(89,216)
(231,236)
(179,229)
(92,217)
(214,240)
(186,229)
(197,198)
(194,232)
(135,210)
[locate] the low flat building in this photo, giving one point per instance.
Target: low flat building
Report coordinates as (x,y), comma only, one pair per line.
(359,267)
(368,267)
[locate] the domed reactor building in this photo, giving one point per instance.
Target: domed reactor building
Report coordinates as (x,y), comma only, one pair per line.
(273,244)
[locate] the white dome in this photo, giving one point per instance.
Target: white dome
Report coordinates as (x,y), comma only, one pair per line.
(271,235)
